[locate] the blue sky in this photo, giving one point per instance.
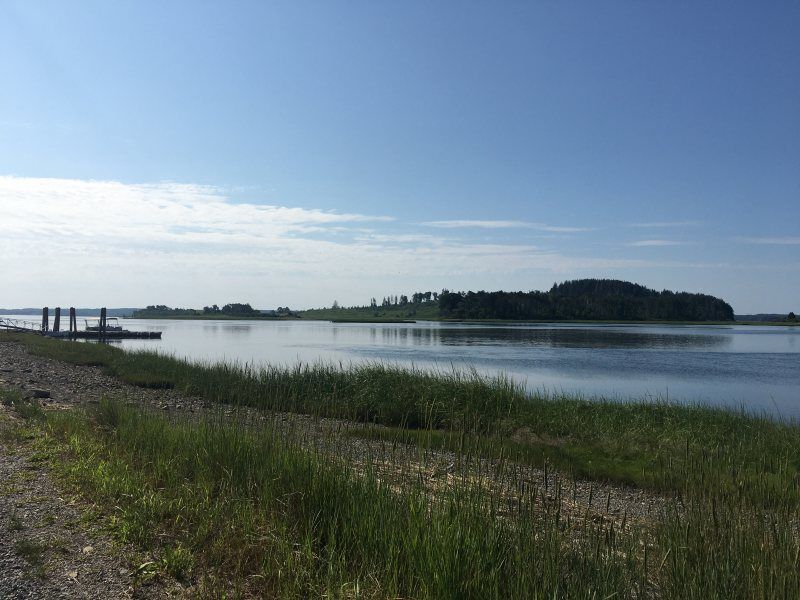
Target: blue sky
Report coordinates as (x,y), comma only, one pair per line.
(296,153)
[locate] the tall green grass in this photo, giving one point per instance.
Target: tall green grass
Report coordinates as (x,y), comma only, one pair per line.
(660,446)
(245,507)
(254,507)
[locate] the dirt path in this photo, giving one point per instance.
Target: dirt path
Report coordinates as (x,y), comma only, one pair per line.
(49,545)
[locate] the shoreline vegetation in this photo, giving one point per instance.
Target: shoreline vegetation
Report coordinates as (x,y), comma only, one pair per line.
(228,311)
(348,315)
(587,301)
(578,301)
(595,300)
(236,495)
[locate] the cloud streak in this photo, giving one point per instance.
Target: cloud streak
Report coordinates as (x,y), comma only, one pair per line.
(479,224)
(93,242)
(655,243)
(664,224)
(773,241)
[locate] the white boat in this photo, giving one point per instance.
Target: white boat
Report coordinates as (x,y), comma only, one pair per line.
(112,324)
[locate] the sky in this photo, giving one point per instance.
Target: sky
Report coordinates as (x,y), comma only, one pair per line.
(297,153)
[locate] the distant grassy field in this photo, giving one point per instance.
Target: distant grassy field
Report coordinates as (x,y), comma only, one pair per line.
(250,501)
(425,311)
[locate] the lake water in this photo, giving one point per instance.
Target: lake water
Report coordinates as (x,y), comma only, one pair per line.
(756,367)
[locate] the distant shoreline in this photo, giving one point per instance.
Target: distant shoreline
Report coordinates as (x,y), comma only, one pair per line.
(214,318)
(345,319)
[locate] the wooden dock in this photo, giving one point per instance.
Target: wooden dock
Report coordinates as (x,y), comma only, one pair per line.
(108,335)
(101,332)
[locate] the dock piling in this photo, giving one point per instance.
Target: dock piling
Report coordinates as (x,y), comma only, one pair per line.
(100,332)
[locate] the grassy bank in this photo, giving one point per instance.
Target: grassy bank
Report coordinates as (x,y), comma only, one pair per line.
(650,445)
(279,521)
(228,504)
(426,311)
(243,501)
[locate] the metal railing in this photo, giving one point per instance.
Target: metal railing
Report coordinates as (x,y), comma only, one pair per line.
(20,325)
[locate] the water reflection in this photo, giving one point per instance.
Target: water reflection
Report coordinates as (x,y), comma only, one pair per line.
(234,328)
(551,338)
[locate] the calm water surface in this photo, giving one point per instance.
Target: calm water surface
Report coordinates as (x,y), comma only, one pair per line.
(756,367)
(751,366)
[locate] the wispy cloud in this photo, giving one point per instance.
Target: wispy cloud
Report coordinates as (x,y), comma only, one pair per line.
(478,224)
(645,243)
(399,238)
(162,212)
(664,224)
(773,241)
(106,241)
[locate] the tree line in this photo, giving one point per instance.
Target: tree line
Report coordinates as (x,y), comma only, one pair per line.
(234,309)
(586,299)
(403,300)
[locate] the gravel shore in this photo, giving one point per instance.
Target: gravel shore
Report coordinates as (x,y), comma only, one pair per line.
(49,546)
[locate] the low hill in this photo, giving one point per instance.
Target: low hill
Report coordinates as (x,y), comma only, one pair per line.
(586,299)
(577,300)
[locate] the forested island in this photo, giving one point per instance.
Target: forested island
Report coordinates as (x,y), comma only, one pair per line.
(577,300)
(586,300)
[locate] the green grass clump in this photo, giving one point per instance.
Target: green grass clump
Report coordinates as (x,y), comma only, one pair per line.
(25,407)
(178,562)
(30,550)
